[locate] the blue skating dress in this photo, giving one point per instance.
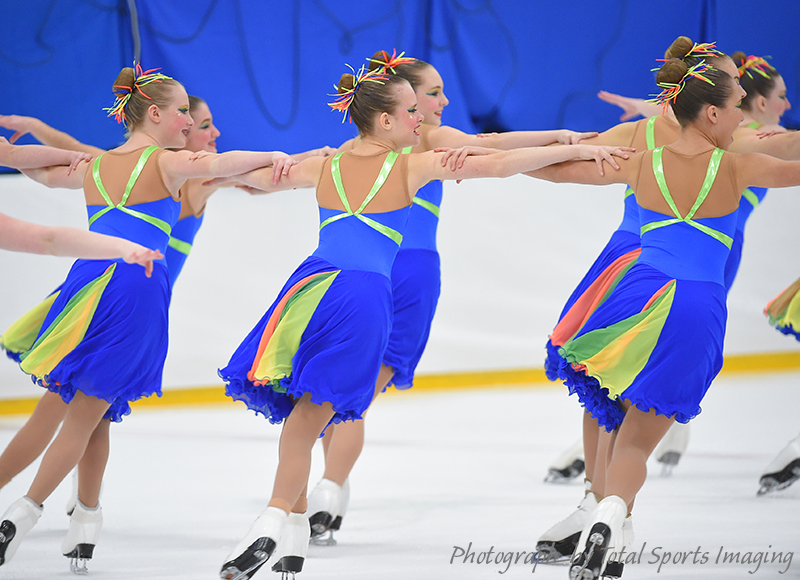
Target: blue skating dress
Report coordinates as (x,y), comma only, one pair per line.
(664,319)
(327,331)
(416,285)
(180,244)
(104,333)
(619,254)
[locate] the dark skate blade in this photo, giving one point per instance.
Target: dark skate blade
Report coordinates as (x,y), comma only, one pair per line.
(288,564)
(7,532)
(557,552)
(82,551)
(569,473)
(248,563)
(781,479)
(670,458)
(320,522)
(586,565)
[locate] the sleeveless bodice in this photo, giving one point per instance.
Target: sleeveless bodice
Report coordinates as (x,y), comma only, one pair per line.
(349,244)
(630,219)
(180,244)
(355,240)
(685,247)
(149,223)
(423,219)
(135,229)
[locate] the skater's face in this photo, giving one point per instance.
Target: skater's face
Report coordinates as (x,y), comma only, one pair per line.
(203,135)
(406,119)
(175,120)
(776,104)
(431,99)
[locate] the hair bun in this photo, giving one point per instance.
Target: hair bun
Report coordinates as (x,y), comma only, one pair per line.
(125,78)
(672,72)
(378,60)
(346,83)
(679,48)
(739,57)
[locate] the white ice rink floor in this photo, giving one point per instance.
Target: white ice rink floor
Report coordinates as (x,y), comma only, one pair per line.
(442,473)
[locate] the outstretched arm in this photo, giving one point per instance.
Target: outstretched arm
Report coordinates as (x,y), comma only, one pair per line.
(631,107)
(36,156)
(45,134)
(428,166)
(782,145)
(445,136)
(304,174)
(766,171)
(20,236)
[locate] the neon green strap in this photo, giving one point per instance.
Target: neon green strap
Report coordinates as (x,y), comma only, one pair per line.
(711,174)
(406,150)
(628,192)
(753,125)
(751,197)
(179,245)
(379,181)
(433,208)
(137,171)
(650,133)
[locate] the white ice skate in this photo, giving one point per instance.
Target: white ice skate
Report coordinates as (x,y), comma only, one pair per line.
(327,502)
(84,531)
(568,466)
(256,547)
(72,500)
(18,520)
(292,547)
(784,470)
(560,540)
(672,447)
(602,537)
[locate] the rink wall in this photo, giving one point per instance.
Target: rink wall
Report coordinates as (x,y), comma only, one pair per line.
(512,250)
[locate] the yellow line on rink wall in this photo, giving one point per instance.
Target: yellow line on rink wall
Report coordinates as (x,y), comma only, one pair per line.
(530,378)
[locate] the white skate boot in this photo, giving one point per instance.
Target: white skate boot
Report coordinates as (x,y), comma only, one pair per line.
(84,531)
(324,504)
(72,500)
(18,520)
(559,541)
(672,447)
(292,547)
(568,466)
(784,469)
(602,537)
(256,547)
(326,538)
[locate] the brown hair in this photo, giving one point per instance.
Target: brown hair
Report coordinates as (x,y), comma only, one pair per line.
(370,99)
(411,71)
(754,82)
(696,93)
(135,111)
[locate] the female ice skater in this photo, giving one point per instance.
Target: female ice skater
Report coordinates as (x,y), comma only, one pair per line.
(315,355)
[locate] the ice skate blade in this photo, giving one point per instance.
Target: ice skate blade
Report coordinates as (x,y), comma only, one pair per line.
(586,565)
(79,558)
(780,480)
(245,565)
(569,473)
(78,566)
(324,539)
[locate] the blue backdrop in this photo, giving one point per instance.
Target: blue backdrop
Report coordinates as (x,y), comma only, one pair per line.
(267,68)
